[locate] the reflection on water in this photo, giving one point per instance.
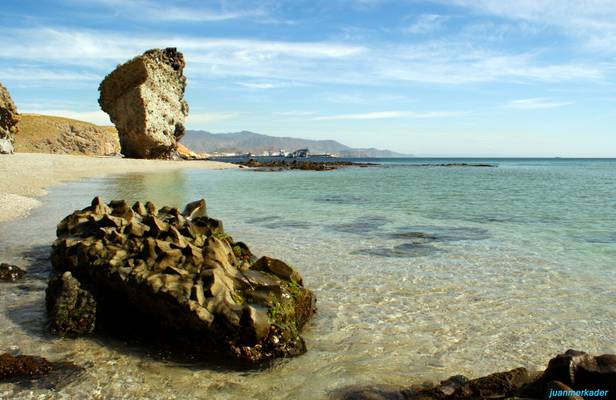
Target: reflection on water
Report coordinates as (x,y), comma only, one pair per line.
(403,295)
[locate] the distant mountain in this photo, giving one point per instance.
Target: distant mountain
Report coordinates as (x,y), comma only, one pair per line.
(256,143)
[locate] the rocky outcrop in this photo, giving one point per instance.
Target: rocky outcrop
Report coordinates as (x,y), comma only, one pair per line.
(8,121)
(10,273)
(572,375)
(187,154)
(145,99)
(58,135)
(177,274)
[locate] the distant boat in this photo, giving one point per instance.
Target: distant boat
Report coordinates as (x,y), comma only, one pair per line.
(300,153)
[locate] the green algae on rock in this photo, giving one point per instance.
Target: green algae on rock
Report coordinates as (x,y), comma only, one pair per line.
(177,273)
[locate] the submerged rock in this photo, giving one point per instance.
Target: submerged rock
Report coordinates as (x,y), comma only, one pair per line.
(38,372)
(8,121)
(177,274)
(12,367)
(10,273)
(588,376)
(145,99)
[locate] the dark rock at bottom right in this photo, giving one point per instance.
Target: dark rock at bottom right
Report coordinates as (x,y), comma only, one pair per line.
(572,375)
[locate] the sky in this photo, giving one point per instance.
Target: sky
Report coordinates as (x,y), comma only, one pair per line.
(452,78)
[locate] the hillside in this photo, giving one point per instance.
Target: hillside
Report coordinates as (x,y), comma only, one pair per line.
(58,135)
(245,141)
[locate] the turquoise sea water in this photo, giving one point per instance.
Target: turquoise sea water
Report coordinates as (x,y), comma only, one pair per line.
(420,273)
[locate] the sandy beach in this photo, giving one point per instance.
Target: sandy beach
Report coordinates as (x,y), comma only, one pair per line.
(25,176)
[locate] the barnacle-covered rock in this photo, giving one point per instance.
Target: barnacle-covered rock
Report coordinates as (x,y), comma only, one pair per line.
(180,273)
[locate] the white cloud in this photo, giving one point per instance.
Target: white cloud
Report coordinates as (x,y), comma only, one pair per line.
(153,11)
(389,114)
(427,23)
(93,54)
(294,113)
(209,117)
(40,74)
(258,85)
(592,21)
(536,103)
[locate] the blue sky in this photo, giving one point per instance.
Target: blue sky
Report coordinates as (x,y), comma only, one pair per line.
(459,77)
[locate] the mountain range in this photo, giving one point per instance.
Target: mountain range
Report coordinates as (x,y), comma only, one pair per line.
(256,143)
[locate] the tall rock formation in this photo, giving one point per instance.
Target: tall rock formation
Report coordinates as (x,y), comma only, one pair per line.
(145,99)
(8,121)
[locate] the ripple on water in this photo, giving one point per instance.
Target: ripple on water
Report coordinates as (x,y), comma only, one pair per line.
(276,222)
(400,251)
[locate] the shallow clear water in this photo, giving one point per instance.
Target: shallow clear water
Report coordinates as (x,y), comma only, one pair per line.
(420,273)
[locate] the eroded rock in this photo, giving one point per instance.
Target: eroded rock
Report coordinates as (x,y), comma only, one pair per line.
(9,117)
(177,273)
(144,98)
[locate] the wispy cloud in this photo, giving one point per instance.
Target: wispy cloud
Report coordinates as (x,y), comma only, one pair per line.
(390,114)
(150,10)
(427,23)
(209,117)
(258,85)
(27,73)
(294,113)
(592,21)
(536,103)
(95,53)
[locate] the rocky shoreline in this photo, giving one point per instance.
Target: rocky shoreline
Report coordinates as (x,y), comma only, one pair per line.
(572,375)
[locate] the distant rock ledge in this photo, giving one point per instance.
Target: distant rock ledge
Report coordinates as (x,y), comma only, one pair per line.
(292,164)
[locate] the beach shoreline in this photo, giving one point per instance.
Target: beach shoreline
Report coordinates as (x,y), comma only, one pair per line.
(27,176)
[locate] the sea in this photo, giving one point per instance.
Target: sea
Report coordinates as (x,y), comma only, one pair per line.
(421,271)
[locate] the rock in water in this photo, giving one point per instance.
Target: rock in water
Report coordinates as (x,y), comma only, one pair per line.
(145,99)
(22,366)
(8,121)
(179,274)
(10,273)
(72,310)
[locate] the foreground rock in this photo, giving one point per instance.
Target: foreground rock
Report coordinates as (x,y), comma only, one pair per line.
(572,375)
(38,372)
(145,99)
(177,275)
(8,121)
(10,273)
(58,135)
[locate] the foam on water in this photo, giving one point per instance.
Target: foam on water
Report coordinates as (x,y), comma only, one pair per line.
(420,273)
